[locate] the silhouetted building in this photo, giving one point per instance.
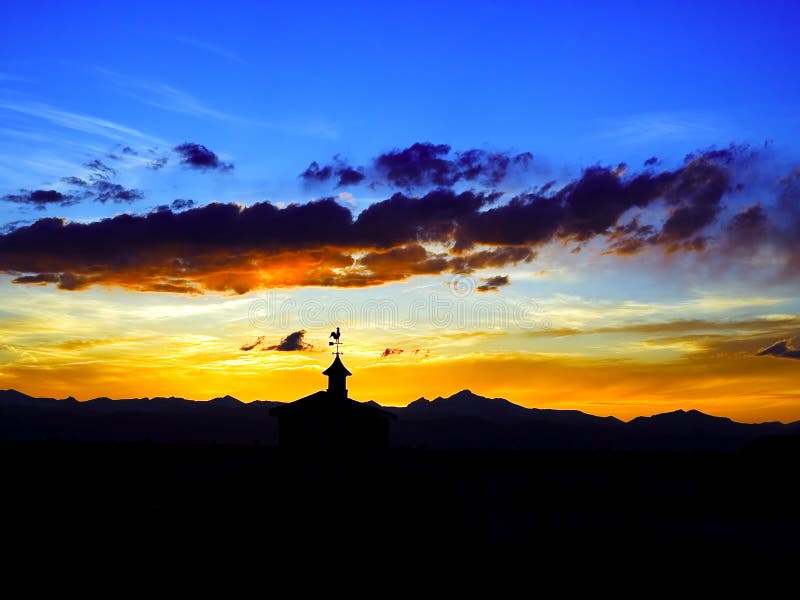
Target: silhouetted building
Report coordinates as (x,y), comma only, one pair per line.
(329,420)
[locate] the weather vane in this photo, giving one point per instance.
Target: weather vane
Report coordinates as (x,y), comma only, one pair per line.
(335,343)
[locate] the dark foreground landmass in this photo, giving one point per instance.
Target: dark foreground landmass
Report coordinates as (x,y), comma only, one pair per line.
(562,505)
(463,421)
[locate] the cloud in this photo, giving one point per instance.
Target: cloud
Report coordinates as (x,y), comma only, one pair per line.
(64,281)
(292,343)
(198,156)
(780,349)
(344,174)
(752,328)
(426,164)
(248,347)
(231,248)
(12,225)
(80,344)
(157,163)
(213,49)
(99,170)
(75,181)
(493,284)
(182,204)
(41,199)
(97,188)
(660,127)
(390,351)
(164,96)
(423,165)
(78,122)
(104,191)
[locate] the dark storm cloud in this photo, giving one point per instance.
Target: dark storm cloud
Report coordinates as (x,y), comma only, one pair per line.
(493,284)
(349,176)
(780,349)
(749,223)
(292,343)
(227,247)
(417,165)
(424,165)
(198,156)
(182,204)
(41,199)
(316,173)
(344,174)
(436,216)
(496,257)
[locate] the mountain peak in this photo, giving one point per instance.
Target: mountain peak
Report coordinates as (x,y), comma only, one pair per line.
(681,416)
(227,400)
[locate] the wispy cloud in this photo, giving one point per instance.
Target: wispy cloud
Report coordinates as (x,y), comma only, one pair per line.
(648,128)
(79,122)
(212,48)
(165,96)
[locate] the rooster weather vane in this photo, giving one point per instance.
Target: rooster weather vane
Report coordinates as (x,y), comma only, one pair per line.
(335,343)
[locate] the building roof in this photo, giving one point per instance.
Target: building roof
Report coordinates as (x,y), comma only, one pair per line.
(337,368)
(325,402)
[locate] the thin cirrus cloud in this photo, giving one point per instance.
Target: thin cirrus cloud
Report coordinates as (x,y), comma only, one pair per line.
(651,128)
(230,248)
(79,122)
(170,98)
(164,96)
(208,47)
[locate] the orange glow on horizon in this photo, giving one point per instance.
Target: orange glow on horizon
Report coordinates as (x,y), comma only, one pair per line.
(601,387)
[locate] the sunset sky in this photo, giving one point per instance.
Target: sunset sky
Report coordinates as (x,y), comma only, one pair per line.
(592,207)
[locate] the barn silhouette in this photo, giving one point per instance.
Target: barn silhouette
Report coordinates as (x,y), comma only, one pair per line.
(329,420)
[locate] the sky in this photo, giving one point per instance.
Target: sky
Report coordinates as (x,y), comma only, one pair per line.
(591,206)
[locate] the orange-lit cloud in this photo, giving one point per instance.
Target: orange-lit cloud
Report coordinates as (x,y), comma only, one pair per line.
(231,248)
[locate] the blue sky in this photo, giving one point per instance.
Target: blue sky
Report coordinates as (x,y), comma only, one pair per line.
(272,86)
(653,294)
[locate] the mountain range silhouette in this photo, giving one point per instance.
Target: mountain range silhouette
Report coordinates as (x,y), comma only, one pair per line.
(464,420)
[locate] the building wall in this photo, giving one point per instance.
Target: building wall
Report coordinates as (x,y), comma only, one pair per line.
(333,432)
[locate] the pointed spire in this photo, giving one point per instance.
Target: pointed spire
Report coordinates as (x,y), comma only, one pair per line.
(337,378)
(337,373)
